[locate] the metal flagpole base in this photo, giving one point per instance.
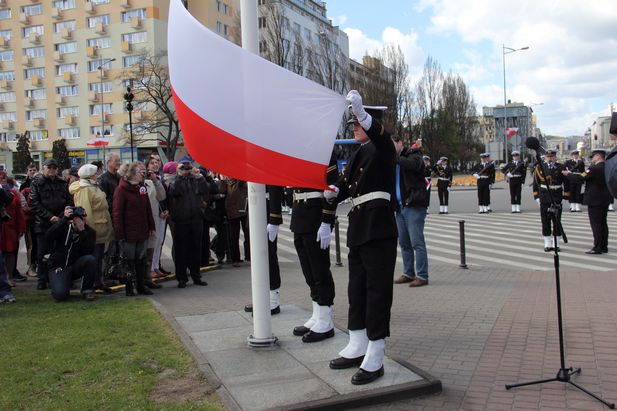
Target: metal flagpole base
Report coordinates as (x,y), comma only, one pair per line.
(262,343)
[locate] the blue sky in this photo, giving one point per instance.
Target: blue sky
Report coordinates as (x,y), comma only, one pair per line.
(570,67)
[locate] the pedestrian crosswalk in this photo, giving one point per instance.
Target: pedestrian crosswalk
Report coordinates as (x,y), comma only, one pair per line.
(496,239)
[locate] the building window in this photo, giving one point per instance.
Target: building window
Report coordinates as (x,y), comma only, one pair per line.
(128,15)
(94,65)
(10,116)
(32,114)
(95,110)
(34,52)
(37,94)
(6,55)
(100,43)
(98,1)
(7,97)
(37,71)
(67,111)
(129,61)
(218,6)
(133,38)
(307,34)
(6,34)
(68,91)
(219,27)
(8,137)
(25,32)
(297,28)
(7,75)
(64,4)
(101,87)
(66,68)
(225,29)
(91,22)
(225,9)
(37,135)
(32,9)
(96,130)
(63,48)
(5,14)
(69,24)
(69,133)
(261,22)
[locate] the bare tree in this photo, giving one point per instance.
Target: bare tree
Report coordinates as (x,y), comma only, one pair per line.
(152,90)
(274,25)
(398,72)
(427,93)
(331,65)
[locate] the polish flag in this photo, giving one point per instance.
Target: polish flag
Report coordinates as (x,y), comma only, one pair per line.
(511,131)
(99,140)
(245,117)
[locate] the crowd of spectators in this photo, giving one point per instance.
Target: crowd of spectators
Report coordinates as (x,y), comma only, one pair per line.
(90,222)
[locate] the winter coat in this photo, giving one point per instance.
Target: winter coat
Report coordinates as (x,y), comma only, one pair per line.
(48,198)
(156,194)
(132,213)
(93,200)
(12,229)
(186,199)
(236,200)
(108,183)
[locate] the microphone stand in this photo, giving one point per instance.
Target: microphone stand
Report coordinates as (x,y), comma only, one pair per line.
(564,374)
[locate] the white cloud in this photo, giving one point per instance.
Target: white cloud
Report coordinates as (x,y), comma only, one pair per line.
(340,20)
(571,65)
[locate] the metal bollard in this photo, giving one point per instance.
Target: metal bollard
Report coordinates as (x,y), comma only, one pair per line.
(461,226)
(337,243)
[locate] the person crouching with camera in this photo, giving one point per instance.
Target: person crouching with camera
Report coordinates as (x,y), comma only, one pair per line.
(70,244)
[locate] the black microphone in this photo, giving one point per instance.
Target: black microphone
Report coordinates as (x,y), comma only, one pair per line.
(533,143)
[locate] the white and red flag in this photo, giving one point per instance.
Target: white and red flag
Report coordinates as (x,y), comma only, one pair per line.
(245,117)
(511,131)
(98,140)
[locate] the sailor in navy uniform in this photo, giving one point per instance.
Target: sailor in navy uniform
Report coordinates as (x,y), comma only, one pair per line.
(485,177)
(596,198)
(371,238)
(572,186)
(312,219)
(515,172)
(541,186)
(443,171)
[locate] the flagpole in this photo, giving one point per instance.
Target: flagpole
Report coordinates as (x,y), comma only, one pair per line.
(262,336)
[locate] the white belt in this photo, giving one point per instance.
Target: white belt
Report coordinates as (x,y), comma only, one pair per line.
(482,176)
(375,195)
(307,196)
(575,172)
(516,175)
(444,179)
(552,187)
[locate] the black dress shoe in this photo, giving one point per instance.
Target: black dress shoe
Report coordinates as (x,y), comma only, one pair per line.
(181,284)
(364,377)
(249,309)
(164,271)
(342,363)
(301,330)
(593,251)
(604,250)
(547,249)
(313,336)
(200,282)
(153,286)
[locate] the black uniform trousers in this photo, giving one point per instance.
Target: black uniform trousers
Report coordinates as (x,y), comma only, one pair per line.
(371,269)
(515,190)
(484,194)
(315,264)
(234,237)
(599,226)
(273,265)
(187,245)
(575,192)
(442,192)
(545,216)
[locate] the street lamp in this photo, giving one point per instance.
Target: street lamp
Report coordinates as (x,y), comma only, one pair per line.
(100,68)
(506,50)
(128,97)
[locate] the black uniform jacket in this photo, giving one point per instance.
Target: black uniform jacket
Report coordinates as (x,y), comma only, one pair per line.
(443,172)
(307,216)
(488,170)
(516,169)
(371,168)
(414,191)
(575,166)
(554,178)
(596,191)
(274,205)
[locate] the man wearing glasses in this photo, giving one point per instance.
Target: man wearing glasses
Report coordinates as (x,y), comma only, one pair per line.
(49,195)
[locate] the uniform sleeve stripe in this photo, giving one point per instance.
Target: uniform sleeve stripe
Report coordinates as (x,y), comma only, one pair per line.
(328,212)
(276,215)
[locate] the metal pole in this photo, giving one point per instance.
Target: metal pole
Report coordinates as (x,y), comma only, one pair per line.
(461,228)
(262,336)
(505,116)
(337,242)
(131,132)
(102,107)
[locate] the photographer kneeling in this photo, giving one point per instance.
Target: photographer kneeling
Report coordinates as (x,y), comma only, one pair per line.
(70,243)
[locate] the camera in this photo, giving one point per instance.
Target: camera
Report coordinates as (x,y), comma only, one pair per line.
(78,212)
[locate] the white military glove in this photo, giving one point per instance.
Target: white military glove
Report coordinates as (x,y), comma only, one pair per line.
(476,175)
(273,231)
(538,201)
(509,175)
(364,118)
(324,234)
(331,194)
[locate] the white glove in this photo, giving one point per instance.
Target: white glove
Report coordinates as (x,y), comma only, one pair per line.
(324,234)
(490,186)
(364,118)
(509,175)
(449,188)
(476,175)
(538,201)
(331,194)
(273,231)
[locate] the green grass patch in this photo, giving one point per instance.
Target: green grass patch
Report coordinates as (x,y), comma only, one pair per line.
(113,353)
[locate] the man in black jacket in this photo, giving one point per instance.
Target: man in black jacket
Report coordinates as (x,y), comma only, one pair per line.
(371,238)
(411,201)
(49,195)
(71,254)
(596,198)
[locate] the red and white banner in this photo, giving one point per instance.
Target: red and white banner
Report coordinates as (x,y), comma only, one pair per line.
(245,117)
(511,131)
(99,140)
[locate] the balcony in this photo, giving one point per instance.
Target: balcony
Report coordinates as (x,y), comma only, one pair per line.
(135,22)
(60,99)
(90,8)
(6,84)
(91,52)
(37,81)
(56,13)
(5,43)
(24,19)
(126,4)
(26,61)
(103,74)
(93,96)
(8,124)
(104,118)
(34,38)
(38,123)
(126,47)
(58,57)
(28,102)
(67,77)
(100,28)
(66,33)
(70,120)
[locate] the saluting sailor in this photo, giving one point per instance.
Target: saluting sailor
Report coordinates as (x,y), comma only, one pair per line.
(515,172)
(443,171)
(485,177)
(371,238)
